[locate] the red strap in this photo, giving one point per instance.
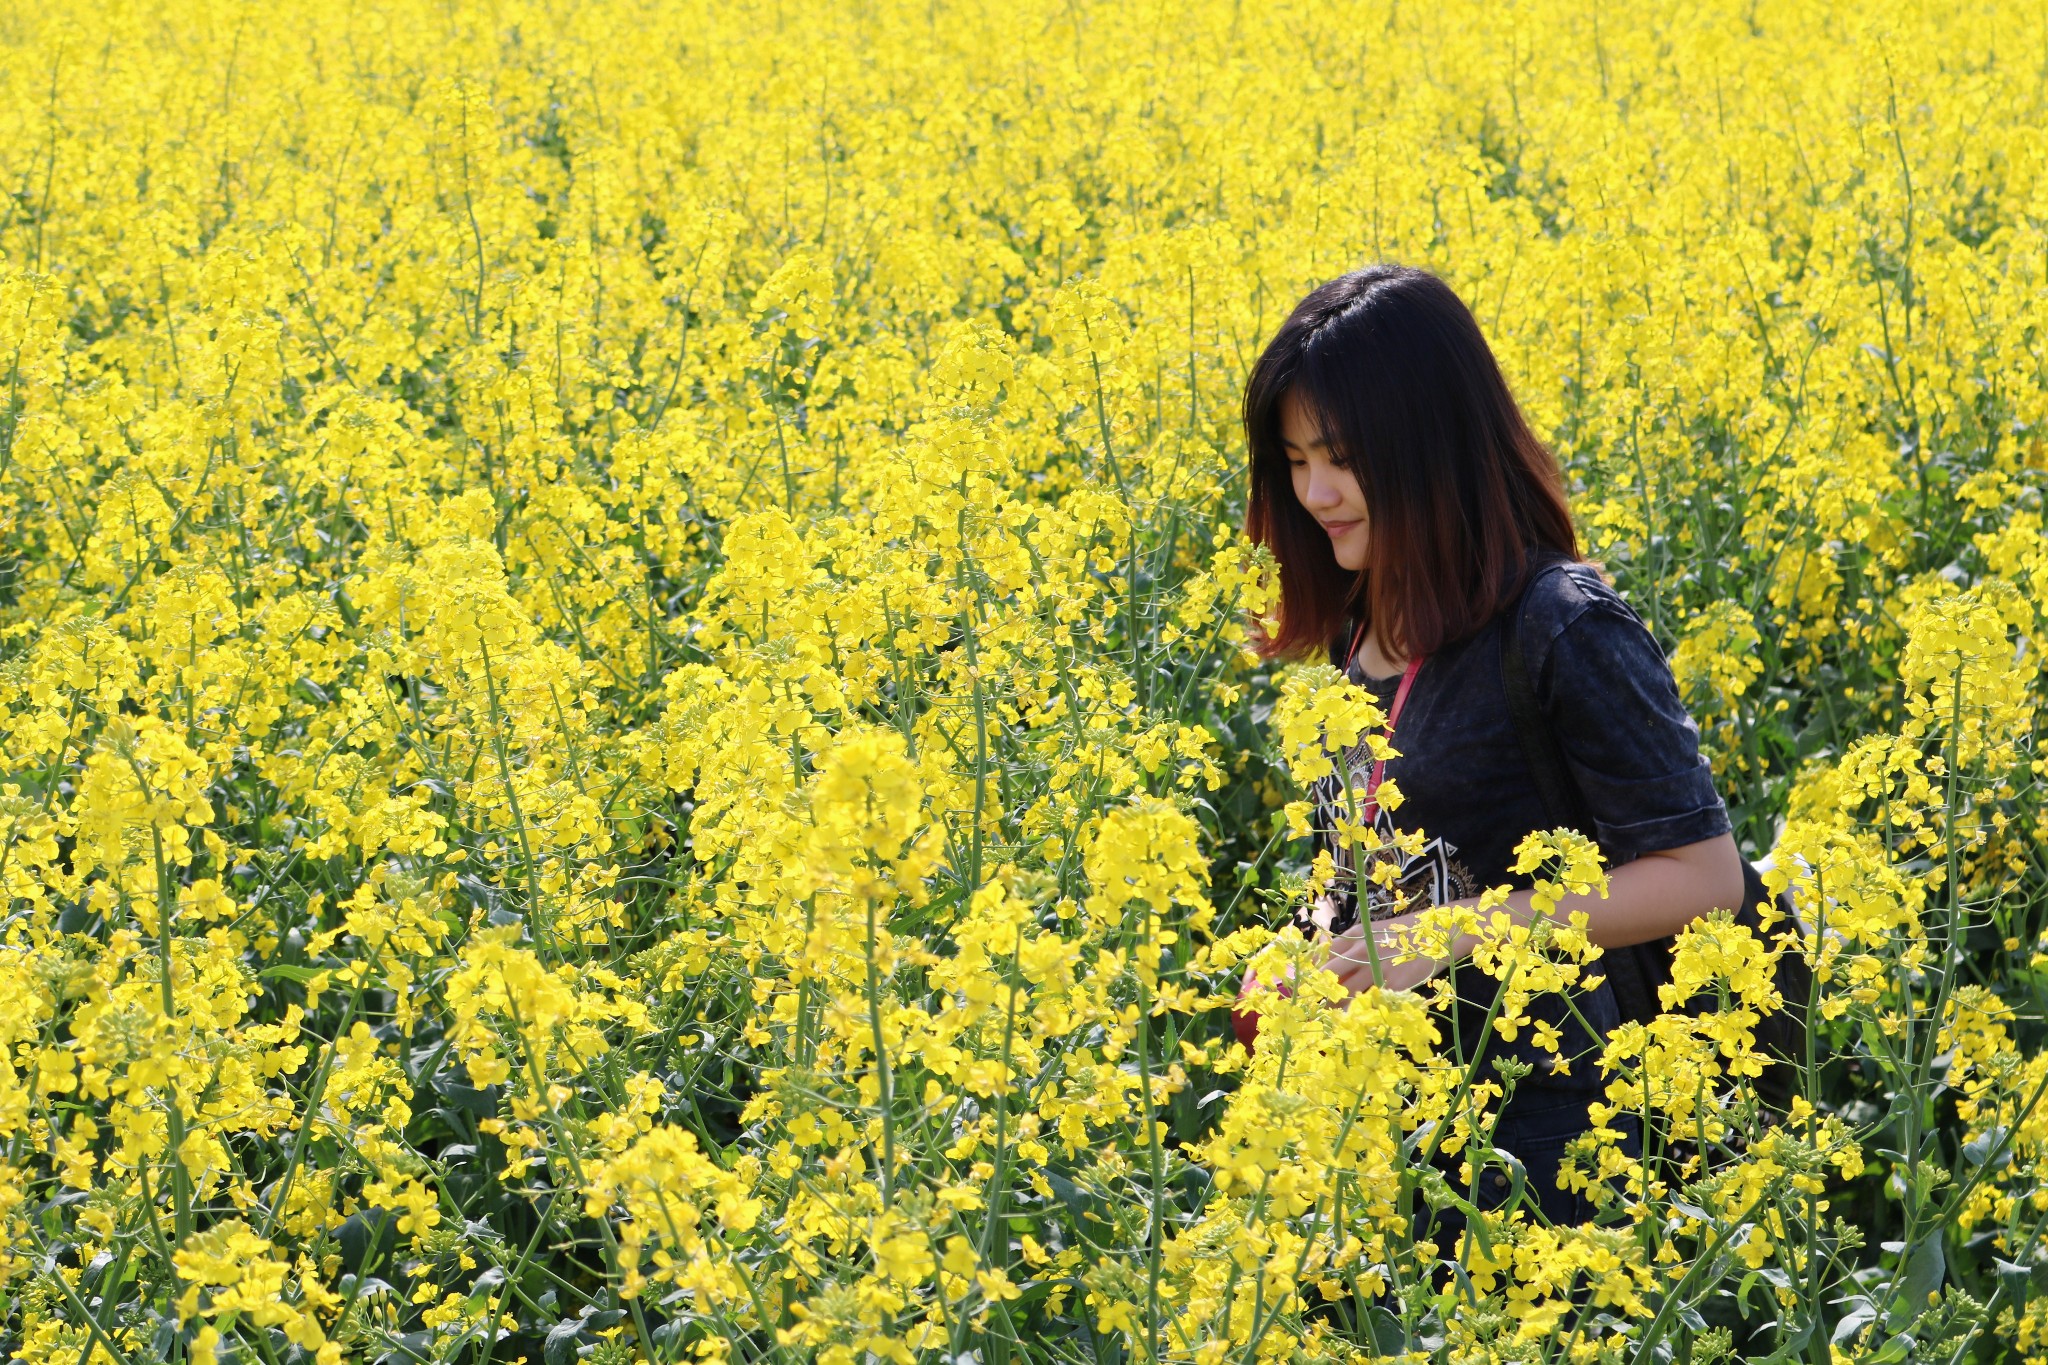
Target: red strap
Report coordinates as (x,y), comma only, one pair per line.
(1246,1022)
(1379,765)
(1357,637)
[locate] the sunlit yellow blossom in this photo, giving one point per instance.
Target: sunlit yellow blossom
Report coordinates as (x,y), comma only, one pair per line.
(631,721)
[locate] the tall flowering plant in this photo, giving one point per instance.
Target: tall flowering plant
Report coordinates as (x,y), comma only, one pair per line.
(629,730)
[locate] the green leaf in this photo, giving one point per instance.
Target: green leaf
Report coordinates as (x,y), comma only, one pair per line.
(1926,1268)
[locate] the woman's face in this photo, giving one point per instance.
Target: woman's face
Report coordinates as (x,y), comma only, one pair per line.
(1321,485)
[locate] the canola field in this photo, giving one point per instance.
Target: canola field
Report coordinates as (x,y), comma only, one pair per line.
(627,730)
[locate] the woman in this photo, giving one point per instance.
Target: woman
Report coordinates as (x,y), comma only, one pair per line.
(1415,517)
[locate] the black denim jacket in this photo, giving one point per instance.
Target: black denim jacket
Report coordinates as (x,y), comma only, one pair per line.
(1605,687)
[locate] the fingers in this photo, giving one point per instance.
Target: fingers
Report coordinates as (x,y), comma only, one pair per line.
(1350,958)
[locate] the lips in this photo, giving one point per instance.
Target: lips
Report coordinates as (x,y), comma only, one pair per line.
(1338,528)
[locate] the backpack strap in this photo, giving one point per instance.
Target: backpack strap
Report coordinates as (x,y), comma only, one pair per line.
(1634,973)
(1561,798)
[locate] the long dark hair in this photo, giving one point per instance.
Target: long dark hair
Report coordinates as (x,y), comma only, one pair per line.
(1458,491)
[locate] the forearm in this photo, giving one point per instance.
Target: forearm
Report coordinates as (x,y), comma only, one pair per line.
(1655,895)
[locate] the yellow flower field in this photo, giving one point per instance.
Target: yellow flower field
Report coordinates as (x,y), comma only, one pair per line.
(626,722)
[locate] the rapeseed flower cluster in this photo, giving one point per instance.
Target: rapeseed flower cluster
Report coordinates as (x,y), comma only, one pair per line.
(629,730)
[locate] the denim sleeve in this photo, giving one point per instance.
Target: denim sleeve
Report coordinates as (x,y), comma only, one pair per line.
(1623,728)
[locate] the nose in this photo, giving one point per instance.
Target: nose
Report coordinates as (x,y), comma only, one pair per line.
(1322,494)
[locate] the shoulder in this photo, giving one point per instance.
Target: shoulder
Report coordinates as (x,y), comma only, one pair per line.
(1572,618)
(1560,595)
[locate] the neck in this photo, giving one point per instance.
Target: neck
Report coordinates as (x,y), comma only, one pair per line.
(1376,659)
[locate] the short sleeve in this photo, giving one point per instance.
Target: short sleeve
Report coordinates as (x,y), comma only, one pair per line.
(1623,728)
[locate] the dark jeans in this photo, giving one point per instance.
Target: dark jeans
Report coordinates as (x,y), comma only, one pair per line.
(1535,1129)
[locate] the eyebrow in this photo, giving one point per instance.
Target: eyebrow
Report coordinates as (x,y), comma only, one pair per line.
(1318,441)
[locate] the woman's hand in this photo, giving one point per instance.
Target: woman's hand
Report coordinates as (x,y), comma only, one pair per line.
(1656,894)
(1349,956)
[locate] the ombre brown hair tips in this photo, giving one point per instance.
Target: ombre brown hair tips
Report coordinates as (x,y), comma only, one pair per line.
(1458,491)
